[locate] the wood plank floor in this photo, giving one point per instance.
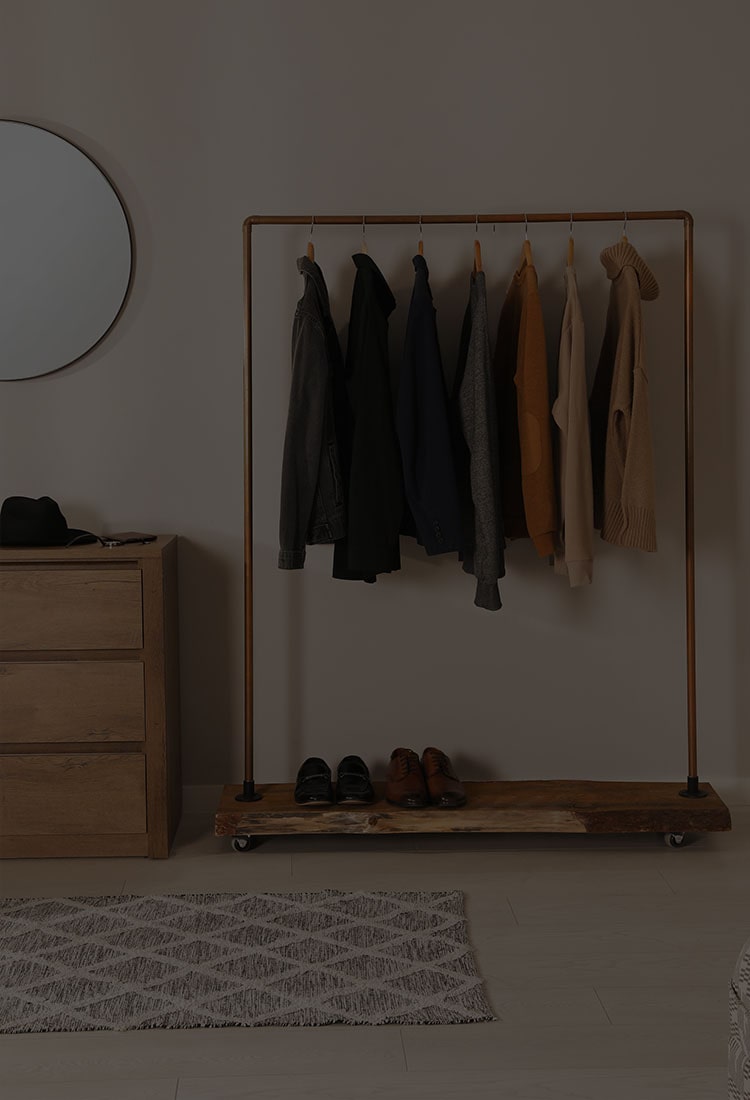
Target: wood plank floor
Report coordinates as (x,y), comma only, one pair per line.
(606,960)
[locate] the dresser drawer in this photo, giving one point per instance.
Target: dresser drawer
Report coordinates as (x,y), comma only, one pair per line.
(83,793)
(59,701)
(70,609)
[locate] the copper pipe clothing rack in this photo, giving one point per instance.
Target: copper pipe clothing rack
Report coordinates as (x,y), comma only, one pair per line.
(552,805)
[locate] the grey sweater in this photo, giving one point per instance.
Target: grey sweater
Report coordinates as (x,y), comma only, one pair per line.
(475,391)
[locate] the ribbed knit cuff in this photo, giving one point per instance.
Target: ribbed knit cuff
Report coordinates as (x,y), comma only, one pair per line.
(291,559)
(634,528)
(580,573)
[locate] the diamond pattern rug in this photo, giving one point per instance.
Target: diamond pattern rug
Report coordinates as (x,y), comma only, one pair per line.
(236,960)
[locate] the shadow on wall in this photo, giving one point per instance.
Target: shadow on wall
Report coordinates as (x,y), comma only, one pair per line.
(210,628)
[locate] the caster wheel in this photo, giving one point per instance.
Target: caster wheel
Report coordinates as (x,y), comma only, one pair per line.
(243,843)
(674,840)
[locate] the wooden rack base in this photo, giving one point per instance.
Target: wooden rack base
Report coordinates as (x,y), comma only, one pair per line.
(544,806)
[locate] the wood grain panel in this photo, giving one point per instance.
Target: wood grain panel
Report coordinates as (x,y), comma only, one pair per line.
(547,806)
(71,701)
(82,793)
(50,846)
(70,609)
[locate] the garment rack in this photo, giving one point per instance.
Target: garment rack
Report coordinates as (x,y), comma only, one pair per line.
(246,812)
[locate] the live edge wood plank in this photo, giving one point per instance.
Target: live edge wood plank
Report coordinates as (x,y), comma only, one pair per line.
(549,806)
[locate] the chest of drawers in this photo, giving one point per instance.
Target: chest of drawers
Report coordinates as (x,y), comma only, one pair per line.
(89,701)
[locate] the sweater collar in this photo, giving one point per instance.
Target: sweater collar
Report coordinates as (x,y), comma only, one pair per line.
(621,255)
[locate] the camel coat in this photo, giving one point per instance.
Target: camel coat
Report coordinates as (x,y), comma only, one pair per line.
(528,482)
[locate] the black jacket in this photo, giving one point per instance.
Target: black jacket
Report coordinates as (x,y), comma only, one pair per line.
(312,496)
(371,459)
(424,432)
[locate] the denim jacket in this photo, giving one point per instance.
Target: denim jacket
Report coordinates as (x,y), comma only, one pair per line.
(312,496)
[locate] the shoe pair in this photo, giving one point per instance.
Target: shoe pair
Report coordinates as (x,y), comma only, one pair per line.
(315,788)
(413,784)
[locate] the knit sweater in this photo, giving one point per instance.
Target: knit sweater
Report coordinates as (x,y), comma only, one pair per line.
(528,483)
(574,553)
(622,457)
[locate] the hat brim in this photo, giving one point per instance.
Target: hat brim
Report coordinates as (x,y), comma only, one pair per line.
(83,538)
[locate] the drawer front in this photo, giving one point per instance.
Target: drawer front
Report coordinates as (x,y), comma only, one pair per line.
(81,794)
(59,701)
(70,609)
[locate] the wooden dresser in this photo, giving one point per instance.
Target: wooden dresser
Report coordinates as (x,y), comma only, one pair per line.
(89,701)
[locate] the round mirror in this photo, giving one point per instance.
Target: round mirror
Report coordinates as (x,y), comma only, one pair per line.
(65,252)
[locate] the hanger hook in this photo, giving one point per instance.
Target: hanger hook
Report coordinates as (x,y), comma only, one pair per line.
(526,227)
(476,225)
(312,225)
(420,225)
(363,225)
(625,223)
(571,224)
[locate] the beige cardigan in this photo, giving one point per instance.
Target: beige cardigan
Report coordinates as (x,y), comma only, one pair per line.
(574,551)
(622,457)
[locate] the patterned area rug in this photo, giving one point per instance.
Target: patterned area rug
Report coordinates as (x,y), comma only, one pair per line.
(236,960)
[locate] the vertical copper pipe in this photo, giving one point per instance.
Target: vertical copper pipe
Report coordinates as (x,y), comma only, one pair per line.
(689,504)
(248,786)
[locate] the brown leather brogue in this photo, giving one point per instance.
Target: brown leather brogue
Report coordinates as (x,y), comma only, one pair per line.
(404,781)
(445,788)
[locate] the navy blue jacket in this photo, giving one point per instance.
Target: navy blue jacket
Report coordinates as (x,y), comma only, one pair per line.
(424,429)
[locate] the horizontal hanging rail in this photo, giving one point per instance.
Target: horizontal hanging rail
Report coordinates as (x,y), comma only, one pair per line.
(465,219)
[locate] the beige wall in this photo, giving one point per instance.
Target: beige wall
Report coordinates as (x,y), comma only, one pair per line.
(204,113)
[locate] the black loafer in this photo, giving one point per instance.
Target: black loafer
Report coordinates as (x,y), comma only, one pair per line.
(353,782)
(314,787)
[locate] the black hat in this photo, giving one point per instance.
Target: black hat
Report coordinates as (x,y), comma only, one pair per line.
(28,522)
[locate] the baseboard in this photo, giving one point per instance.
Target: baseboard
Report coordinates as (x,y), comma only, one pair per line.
(734,791)
(201,798)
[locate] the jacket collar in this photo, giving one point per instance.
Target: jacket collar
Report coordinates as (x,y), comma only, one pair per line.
(312,272)
(621,255)
(421,272)
(366,266)
(420,265)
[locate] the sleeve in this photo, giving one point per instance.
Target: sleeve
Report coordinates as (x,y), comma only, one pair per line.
(535,431)
(303,440)
(579,494)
